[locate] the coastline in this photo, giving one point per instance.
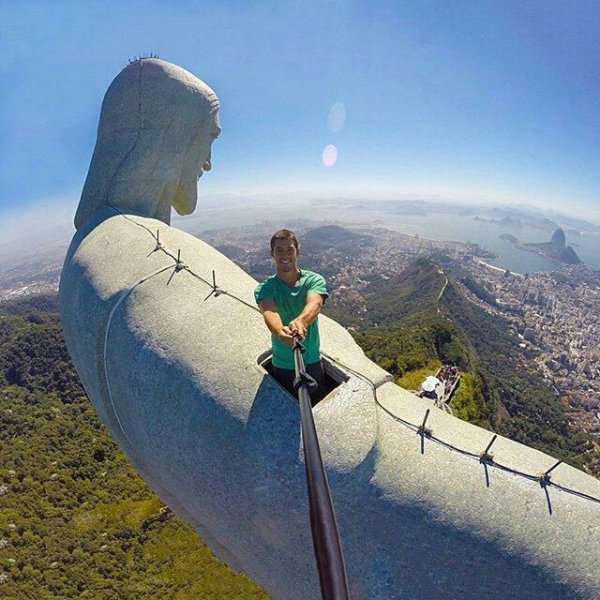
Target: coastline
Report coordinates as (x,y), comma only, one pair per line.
(482,262)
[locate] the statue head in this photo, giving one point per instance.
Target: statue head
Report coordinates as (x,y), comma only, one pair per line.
(157,124)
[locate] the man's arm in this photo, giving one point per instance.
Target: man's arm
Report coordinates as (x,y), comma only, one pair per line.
(313,305)
(273,321)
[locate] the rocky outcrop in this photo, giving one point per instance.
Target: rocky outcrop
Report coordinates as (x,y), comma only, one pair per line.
(556,249)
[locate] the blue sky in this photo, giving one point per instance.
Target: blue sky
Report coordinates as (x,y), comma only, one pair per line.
(481,101)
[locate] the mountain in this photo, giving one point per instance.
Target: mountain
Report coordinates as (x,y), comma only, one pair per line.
(334,235)
(77,520)
(231,251)
(545,223)
(558,238)
(420,319)
(327,250)
(511,223)
(557,248)
(509,237)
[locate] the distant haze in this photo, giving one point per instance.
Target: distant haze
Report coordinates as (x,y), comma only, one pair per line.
(460,101)
(49,228)
(35,229)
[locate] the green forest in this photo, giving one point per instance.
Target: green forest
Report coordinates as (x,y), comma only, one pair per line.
(76,520)
(420,319)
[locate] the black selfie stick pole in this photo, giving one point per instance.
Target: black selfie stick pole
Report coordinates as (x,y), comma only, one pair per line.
(326,541)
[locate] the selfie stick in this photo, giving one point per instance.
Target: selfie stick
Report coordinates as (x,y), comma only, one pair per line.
(326,541)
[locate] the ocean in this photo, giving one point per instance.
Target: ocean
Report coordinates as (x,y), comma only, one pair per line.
(435,225)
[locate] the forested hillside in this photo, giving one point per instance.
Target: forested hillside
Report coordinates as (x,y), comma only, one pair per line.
(76,521)
(419,319)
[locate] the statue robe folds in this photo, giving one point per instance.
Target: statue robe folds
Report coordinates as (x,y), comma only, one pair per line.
(177,379)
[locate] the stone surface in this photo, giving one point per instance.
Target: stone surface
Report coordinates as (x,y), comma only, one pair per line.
(176,377)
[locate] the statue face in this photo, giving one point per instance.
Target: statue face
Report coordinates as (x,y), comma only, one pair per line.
(215,131)
(197,162)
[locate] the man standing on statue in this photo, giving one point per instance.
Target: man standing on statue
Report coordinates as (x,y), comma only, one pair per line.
(290,302)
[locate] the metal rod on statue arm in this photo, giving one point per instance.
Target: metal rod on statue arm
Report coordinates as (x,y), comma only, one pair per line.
(326,541)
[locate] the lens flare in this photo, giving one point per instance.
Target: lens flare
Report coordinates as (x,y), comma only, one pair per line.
(336,117)
(330,155)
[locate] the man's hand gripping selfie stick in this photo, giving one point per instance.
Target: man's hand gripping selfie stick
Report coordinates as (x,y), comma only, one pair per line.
(326,541)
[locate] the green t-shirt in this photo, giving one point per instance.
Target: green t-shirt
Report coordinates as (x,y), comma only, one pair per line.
(290,302)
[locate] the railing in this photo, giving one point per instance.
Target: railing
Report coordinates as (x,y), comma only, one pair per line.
(326,540)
